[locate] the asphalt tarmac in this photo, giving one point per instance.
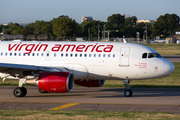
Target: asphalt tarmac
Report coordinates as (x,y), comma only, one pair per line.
(172,58)
(94,99)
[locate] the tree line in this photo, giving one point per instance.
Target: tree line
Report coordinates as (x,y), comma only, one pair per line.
(63,26)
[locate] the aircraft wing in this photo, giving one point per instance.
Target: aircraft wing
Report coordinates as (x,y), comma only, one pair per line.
(15,68)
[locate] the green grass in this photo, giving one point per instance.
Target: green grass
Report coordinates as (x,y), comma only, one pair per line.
(165,49)
(9,82)
(84,115)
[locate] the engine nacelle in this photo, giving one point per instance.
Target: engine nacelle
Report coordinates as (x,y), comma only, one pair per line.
(56,81)
(90,83)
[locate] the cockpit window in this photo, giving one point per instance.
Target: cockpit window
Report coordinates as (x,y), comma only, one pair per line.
(157,55)
(144,55)
(150,55)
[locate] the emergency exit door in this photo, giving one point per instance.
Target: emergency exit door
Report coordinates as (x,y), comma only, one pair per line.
(124,56)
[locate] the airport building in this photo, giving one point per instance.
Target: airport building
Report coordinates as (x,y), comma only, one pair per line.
(10,37)
(145,21)
(37,37)
(87,18)
(174,38)
(4,24)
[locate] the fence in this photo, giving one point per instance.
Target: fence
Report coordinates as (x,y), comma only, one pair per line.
(81,39)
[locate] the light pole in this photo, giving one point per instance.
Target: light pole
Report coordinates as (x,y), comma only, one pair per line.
(98,32)
(146,32)
(104,29)
(89,33)
(3,34)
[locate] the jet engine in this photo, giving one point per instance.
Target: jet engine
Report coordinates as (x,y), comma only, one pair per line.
(57,82)
(90,83)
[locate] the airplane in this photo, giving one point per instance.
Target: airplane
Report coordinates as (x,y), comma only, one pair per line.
(56,66)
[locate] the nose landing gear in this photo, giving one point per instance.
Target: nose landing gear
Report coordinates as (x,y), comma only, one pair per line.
(128,92)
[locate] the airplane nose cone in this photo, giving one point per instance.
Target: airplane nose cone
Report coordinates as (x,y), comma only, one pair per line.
(168,68)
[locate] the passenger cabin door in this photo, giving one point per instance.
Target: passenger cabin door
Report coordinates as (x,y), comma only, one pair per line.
(124,56)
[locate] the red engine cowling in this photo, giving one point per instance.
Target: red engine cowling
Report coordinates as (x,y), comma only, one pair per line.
(56,81)
(90,83)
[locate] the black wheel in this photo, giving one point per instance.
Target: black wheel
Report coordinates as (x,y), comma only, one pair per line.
(128,93)
(42,91)
(24,91)
(20,92)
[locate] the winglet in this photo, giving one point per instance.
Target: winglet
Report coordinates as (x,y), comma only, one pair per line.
(124,40)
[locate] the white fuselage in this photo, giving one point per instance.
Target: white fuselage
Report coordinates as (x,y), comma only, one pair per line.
(88,60)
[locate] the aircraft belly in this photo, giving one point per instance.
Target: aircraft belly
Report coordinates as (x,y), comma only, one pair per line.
(80,72)
(96,72)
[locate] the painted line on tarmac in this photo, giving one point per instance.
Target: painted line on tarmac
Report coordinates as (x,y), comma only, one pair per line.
(64,106)
(90,103)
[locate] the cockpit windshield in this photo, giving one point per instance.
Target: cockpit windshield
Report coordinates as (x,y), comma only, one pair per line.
(157,55)
(151,55)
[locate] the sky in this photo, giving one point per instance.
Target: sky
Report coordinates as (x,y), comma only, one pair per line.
(28,11)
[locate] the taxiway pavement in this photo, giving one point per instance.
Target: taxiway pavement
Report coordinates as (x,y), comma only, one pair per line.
(97,99)
(172,58)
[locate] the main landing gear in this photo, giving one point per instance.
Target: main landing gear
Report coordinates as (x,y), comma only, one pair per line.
(128,92)
(20,91)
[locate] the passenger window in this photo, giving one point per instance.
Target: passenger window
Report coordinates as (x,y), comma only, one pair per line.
(71,55)
(42,54)
(10,54)
(66,55)
(104,55)
(89,55)
(114,55)
(99,55)
(1,54)
(85,55)
(19,54)
(37,54)
(150,55)
(62,55)
(75,55)
(54,54)
(109,55)
(24,54)
(80,55)
(47,54)
(33,54)
(94,55)
(144,55)
(14,54)
(28,54)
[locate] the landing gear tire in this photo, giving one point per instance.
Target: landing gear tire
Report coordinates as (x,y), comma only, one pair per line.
(42,91)
(128,93)
(20,92)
